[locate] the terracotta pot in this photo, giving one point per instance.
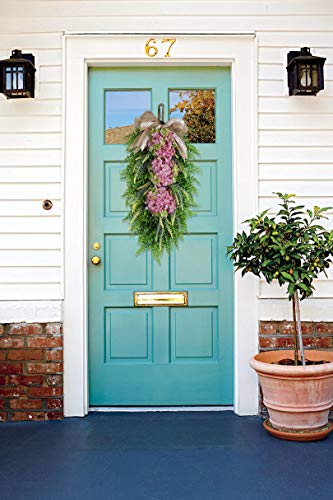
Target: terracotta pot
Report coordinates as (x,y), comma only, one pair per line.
(298,398)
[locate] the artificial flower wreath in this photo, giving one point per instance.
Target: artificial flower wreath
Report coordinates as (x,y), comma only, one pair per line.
(161,184)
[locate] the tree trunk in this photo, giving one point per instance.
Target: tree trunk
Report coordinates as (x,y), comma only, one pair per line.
(299,327)
(295,332)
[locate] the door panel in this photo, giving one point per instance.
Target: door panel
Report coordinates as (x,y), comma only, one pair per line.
(159,355)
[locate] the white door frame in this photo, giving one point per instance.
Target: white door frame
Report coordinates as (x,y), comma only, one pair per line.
(84,50)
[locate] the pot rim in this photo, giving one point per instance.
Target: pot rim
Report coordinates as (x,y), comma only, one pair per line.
(266,367)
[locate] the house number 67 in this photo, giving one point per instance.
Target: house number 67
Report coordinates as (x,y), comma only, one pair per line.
(151,49)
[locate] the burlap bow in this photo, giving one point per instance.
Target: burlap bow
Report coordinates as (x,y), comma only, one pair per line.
(148,121)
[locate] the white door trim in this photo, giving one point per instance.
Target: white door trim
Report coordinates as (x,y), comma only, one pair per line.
(82,51)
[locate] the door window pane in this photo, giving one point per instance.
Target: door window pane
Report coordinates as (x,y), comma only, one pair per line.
(197,108)
(121,107)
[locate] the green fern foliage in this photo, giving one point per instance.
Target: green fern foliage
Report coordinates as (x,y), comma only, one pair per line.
(158,231)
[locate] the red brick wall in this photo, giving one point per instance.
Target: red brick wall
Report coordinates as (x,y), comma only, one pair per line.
(274,335)
(31,372)
(31,364)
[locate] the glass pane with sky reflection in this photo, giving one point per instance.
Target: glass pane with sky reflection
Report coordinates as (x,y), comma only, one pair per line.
(121,107)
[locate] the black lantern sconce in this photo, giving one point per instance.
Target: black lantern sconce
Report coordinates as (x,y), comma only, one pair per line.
(17,75)
(305,72)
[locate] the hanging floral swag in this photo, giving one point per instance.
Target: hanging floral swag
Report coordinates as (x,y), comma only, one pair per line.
(161,183)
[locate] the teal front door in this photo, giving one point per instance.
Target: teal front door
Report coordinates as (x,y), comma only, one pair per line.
(160,355)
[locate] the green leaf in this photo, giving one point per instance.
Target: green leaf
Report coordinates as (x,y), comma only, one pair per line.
(287,276)
(303,287)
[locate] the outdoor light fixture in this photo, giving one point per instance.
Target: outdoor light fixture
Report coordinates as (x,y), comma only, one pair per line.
(17,75)
(305,72)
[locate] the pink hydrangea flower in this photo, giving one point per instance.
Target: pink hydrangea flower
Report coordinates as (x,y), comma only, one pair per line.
(162,164)
(163,170)
(161,200)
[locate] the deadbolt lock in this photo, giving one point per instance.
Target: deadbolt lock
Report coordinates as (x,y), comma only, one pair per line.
(96,246)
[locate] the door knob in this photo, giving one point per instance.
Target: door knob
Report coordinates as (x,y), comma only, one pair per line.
(95,260)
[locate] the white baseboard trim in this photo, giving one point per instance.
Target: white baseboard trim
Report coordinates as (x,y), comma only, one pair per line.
(142,409)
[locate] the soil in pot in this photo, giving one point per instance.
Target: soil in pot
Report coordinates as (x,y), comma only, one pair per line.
(291,362)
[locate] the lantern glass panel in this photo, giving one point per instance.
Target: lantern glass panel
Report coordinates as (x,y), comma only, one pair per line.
(14,78)
(8,78)
(20,78)
(305,76)
(315,76)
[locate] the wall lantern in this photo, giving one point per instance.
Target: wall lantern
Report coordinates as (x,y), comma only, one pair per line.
(305,72)
(17,75)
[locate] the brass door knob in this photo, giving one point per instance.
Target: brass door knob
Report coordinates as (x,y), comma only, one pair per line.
(95,260)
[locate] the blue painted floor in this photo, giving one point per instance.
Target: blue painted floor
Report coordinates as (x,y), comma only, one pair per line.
(160,456)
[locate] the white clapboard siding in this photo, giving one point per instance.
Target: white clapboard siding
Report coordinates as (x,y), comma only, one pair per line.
(292,172)
(30,241)
(45,224)
(50,74)
(43,56)
(48,56)
(301,37)
(271,202)
(314,188)
(18,124)
(30,258)
(275,71)
(31,140)
(19,39)
(271,71)
(148,8)
(298,121)
(279,88)
(28,174)
(30,274)
(31,191)
(30,171)
(323,289)
(302,155)
(27,107)
(298,104)
(30,291)
(295,140)
(47,90)
(304,138)
(15,208)
(169,20)
(30,157)
(278,55)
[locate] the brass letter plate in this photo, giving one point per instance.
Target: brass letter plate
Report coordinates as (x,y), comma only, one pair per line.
(157,299)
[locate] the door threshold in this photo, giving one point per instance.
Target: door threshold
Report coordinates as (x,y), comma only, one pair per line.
(138,409)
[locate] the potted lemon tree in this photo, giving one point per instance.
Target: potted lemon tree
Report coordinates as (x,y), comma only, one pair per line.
(292,249)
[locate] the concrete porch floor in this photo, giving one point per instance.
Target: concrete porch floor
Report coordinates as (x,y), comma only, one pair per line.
(159,456)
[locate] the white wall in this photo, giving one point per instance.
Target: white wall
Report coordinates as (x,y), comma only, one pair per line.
(295,152)
(31,171)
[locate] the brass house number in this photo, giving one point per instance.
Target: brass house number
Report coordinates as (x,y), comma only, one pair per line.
(151,48)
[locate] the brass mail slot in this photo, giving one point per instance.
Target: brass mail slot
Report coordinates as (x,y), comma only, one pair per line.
(157,299)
